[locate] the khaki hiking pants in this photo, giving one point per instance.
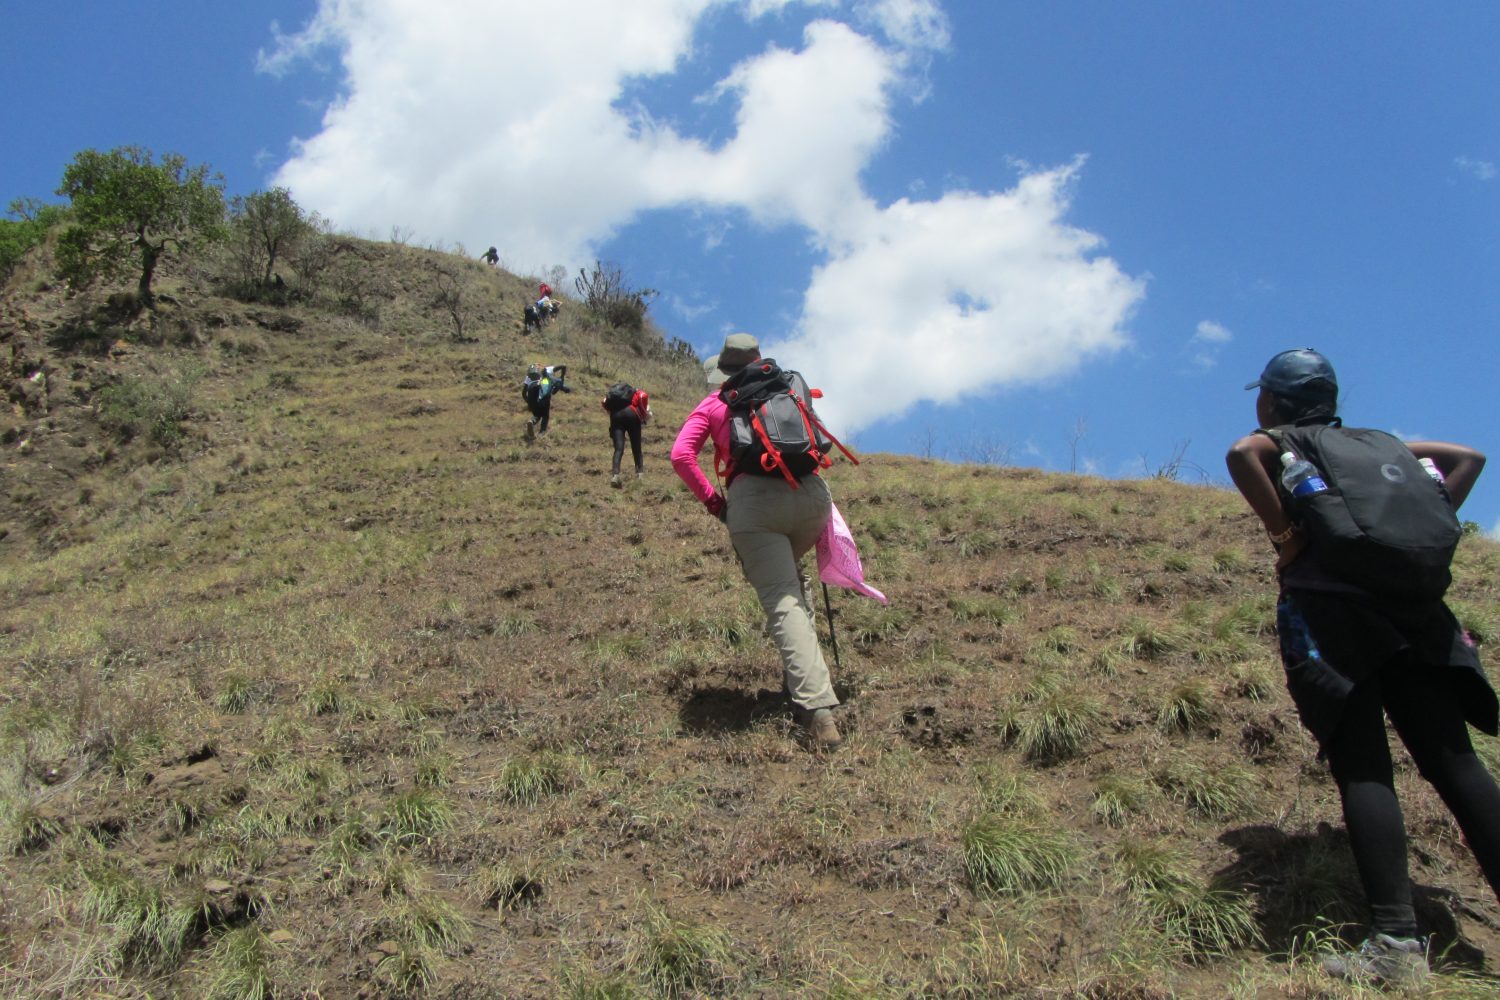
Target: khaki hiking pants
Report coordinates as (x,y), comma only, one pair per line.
(772,526)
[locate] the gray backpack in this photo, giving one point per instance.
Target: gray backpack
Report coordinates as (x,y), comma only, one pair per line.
(773,430)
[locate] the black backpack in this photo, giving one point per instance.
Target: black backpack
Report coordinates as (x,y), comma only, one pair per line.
(1383,524)
(618,397)
(531,390)
(773,430)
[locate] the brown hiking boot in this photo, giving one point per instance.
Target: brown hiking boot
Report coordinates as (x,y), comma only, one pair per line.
(821,728)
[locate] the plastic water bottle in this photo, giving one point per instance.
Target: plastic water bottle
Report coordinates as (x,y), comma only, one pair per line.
(1300,477)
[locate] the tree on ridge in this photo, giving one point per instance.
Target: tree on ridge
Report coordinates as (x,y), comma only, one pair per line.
(129,212)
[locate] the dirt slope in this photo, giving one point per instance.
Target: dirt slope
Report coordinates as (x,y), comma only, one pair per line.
(346,689)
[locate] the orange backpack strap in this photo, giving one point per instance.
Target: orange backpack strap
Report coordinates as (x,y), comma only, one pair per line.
(771,459)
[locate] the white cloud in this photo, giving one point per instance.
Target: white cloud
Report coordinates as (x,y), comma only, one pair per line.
(1494,531)
(1206,343)
(983,289)
(690,311)
(808,122)
(760,8)
(482,122)
(911,24)
(1209,332)
(1483,170)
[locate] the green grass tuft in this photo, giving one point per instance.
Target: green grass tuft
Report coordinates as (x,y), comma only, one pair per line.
(1228,560)
(148,930)
(1006,854)
(415,817)
(1254,681)
(1212,791)
(503,886)
(1187,707)
(580,983)
(529,778)
(1119,797)
(1056,725)
(677,958)
(326,697)
(1147,640)
(235,695)
(1199,921)
(427,921)
(983,609)
(1002,790)
(243,956)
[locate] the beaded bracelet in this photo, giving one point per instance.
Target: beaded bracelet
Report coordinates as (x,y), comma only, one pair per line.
(1281,536)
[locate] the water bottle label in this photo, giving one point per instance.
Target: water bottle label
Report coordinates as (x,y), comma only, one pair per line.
(1309,486)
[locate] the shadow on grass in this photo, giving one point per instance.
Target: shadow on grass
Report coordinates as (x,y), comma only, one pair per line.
(1307,881)
(728,710)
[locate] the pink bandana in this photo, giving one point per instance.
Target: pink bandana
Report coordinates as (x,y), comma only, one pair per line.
(838,559)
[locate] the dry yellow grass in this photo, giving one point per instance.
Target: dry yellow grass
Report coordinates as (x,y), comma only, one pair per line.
(433,708)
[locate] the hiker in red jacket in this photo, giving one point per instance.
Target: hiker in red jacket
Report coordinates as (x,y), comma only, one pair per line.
(629,410)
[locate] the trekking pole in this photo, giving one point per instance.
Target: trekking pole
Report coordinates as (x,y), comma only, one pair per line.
(833,639)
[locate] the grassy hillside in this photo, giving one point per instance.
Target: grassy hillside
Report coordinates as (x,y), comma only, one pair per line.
(337,687)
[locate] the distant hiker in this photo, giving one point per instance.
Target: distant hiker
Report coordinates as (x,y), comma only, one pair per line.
(1363,536)
(535,314)
(531,394)
(629,410)
(537,389)
(773,520)
(543,291)
(490,257)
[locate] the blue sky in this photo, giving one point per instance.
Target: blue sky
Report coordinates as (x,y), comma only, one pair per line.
(984,227)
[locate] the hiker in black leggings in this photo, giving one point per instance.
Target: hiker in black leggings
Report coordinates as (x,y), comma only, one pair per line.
(1352,657)
(626,421)
(1427,691)
(1430,723)
(623,423)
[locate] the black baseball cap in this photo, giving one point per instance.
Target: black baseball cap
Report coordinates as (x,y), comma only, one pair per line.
(1301,373)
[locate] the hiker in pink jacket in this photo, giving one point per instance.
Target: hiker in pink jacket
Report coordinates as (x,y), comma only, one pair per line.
(772,525)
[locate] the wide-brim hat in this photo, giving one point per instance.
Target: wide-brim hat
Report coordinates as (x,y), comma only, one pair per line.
(738,351)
